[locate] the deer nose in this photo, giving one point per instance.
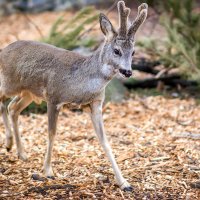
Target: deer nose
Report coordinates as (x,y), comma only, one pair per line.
(125,72)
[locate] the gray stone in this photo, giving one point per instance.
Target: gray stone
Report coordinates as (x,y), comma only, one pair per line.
(115,91)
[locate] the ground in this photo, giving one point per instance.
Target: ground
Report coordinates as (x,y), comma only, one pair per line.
(155,140)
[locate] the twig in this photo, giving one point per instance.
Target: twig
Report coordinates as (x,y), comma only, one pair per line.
(194,136)
(121,194)
(10,195)
(35,25)
(93,25)
(160,73)
(159,159)
(195,185)
(111,7)
(144,104)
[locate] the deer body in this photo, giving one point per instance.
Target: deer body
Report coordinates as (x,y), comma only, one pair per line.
(67,77)
(33,71)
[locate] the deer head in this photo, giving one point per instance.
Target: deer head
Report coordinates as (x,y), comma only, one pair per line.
(118,48)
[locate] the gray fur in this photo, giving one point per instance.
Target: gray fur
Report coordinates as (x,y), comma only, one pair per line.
(34,71)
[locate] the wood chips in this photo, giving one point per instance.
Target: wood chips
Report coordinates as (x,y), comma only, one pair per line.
(146,138)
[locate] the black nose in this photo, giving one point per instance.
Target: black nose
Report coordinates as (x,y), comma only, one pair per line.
(125,72)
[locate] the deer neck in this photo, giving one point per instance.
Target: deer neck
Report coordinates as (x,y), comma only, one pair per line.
(98,68)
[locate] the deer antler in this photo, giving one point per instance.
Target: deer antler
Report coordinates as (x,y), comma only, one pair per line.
(123,18)
(141,16)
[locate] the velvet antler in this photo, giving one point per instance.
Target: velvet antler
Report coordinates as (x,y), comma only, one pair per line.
(123,18)
(124,31)
(141,16)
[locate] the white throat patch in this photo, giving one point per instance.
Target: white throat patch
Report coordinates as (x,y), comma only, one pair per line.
(108,70)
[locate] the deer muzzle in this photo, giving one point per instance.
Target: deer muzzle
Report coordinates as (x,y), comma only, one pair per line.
(126,73)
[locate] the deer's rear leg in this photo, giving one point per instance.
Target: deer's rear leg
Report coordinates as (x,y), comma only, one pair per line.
(9,136)
(16,106)
(52,122)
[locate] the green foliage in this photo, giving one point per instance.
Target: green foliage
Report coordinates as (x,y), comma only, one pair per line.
(183,29)
(148,92)
(182,46)
(35,108)
(66,34)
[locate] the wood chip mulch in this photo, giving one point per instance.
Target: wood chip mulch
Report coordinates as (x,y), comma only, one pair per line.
(145,134)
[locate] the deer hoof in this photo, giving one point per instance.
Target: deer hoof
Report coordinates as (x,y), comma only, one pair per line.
(51,177)
(128,189)
(8,149)
(48,171)
(9,143)
(22,156)
(37,177)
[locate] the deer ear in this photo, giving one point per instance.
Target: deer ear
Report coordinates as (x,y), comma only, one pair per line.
(106,26)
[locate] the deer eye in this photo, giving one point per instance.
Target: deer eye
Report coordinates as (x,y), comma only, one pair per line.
(117,52)
(133,53)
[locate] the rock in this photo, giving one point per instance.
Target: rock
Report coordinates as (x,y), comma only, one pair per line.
(115,91)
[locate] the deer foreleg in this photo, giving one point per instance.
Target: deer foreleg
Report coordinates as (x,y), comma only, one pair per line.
(96,116)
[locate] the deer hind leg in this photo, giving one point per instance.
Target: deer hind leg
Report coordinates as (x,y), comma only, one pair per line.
(16,106)
(9,136)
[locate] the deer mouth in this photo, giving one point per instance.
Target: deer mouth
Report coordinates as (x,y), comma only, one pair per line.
(125,73)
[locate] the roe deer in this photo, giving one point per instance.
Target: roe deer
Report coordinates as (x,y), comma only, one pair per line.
(33,71)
